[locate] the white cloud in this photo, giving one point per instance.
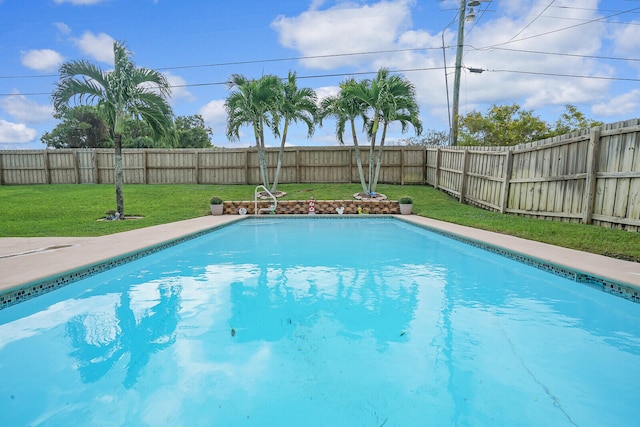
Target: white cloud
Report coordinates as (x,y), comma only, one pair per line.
(98,46)
(42,59)
(325,91)
(625,41)
(627,104)
(178,88)
(346,27)
(316,4)
(514,72)
(11,133)
(25,110)
(62,27)
(215,115)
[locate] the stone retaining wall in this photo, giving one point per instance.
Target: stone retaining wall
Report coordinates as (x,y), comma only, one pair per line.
(321,207)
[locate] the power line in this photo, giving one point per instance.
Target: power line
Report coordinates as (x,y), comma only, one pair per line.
(566,28)
(257,61)
(533,20)
(577,76)
(407,70)
(585,20)
(611,58)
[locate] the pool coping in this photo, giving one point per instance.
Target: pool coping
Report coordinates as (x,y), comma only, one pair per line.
(34,266)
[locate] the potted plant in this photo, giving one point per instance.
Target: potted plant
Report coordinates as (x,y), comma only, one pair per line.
(406,204)
(216,206)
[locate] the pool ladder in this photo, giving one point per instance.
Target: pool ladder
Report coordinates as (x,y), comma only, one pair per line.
(271,208)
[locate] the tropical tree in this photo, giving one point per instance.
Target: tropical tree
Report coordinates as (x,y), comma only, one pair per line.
(295,105)
(501,125)
(428,138)
(572,120)
(192,132)
(253,103)
(81,127)
(126,92)
(346,109)
(389,98)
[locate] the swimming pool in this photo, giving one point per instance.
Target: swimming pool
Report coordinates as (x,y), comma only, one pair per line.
(321,322)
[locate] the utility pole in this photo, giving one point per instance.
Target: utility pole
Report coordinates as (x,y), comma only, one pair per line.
(456,82)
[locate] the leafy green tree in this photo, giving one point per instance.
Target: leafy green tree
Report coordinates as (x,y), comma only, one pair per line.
(192,132)
(138,134)
(430,137)
(296,104)
(502,125)
(389,98)
(346,109)
(253,103)
(572,120)
(126,92)
(81,127)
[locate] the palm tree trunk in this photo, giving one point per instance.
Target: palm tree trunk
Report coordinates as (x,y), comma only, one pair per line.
(117,163)
(263,160)
(274,187)
(363,182)
(372,149)
(379,160)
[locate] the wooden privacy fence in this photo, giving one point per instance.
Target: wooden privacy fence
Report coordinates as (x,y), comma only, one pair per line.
(401,165)
(591,176)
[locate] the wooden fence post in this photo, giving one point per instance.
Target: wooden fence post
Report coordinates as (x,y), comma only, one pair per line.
(436,182)
(196,166)
(588,200)
(94,164)
(47,173)
(297,166)
(76,166)
(145,169)
(246,166)
(463,177)
(1,173)
(504,196)
(402,160)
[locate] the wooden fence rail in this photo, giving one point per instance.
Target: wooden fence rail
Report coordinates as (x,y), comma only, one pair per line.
(401,165)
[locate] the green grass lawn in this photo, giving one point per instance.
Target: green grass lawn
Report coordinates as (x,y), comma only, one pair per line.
(74,210)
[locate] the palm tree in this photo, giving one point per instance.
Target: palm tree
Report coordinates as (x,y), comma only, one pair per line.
(295,104)
(402,107)
(253,103)
(126,92)
(345,109)
(388,98)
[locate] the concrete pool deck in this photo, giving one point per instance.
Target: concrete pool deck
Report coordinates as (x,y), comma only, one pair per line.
(25,261)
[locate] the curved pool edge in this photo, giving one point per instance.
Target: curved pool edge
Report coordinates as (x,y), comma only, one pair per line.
(34,266)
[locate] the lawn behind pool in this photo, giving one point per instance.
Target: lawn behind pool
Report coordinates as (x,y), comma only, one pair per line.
(75,210)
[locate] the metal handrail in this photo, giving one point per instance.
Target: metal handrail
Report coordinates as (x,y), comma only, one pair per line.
(271,208)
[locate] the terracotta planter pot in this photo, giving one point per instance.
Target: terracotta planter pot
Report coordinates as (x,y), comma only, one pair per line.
(216,209)
(406,209)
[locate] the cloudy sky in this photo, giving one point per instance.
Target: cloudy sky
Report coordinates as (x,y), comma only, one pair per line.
(540,54)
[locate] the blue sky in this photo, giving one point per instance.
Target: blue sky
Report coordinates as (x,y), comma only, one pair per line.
(541,54)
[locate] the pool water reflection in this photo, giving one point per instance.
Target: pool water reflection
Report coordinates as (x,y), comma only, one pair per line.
(319,322)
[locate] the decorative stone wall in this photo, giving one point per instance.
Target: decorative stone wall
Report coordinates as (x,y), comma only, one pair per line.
(321,207)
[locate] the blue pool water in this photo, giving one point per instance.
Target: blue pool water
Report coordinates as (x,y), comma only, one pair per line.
(318,322)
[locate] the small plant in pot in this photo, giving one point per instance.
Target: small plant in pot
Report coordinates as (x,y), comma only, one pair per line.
(216,206)
(406,205)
